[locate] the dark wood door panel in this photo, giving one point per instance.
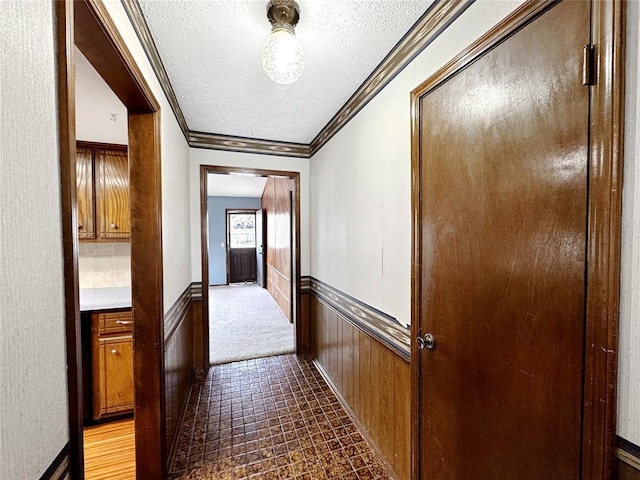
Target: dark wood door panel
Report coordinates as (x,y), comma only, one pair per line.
(242,265)
(503,177)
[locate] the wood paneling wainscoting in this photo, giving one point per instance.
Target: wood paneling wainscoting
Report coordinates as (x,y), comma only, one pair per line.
(366,370)
(276,202)
(179,359)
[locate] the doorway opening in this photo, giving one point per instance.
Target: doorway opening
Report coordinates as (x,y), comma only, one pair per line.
(250,263)
(88,26)
(104,275)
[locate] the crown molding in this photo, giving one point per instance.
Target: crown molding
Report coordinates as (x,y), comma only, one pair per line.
(434,21)
(230,143)
(140,26)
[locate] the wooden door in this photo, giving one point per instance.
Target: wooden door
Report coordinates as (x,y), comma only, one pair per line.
(241,246)
(502,211)
(113,195)
(261,247)
(85,193)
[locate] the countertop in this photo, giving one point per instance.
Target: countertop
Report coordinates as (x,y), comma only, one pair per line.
(105,298)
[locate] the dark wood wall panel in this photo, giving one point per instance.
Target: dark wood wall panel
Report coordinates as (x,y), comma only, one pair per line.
(304,342)
(276,202)
(179,360)
(627,472)
(373,381)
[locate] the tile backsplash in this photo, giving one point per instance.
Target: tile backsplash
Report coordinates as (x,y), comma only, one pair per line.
(103,265)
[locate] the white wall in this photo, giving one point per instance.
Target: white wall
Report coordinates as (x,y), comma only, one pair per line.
(361,181)
(33,396)
(629,335)
(100,115)
(246,160)
(176,229)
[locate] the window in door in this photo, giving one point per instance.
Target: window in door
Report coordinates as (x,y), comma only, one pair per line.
(242,230)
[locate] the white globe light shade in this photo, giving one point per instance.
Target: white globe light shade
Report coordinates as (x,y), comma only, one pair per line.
(282,57)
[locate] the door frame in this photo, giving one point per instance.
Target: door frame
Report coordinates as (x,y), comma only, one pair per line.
(87,23)
(204,244)
(604,224)
(227,238)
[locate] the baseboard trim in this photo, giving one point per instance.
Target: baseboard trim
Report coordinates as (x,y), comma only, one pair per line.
(384,328)
(354,419)
(628,452)
(59,468)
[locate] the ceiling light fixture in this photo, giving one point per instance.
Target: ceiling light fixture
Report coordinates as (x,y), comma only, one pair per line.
(282,54)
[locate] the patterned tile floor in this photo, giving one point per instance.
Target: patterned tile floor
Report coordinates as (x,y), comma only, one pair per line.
(271,418)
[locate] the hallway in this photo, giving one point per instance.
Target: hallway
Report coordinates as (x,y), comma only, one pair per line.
(270,418)
(245,322)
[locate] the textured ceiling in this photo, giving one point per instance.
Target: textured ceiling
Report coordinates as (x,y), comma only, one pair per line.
(219,185)
(211,51)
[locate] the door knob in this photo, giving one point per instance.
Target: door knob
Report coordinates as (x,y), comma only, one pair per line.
(427,341)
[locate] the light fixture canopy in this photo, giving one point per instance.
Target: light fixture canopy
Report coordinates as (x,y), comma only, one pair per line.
(282,54)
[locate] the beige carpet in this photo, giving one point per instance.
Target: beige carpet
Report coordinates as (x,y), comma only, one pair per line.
(245,322)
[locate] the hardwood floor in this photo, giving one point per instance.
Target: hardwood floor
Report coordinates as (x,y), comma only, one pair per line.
(109,451)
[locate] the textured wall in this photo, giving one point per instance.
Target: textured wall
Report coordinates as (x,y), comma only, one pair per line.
(176,229)
(629,337)
(246,160)
(217,233)
(360,181)
(33,397)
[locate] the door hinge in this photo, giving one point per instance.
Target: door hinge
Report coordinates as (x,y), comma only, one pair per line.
(589,65)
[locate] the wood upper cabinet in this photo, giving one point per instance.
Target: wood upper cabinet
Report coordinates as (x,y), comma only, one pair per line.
(113,194)
(112,363)
(102,180)
(86,193)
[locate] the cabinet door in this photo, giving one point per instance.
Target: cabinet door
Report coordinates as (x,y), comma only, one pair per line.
(85,198)
(114,384)
(113,194)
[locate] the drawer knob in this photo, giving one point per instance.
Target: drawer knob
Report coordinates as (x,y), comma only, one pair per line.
(79,227)
(114,226)
(114,351)
(124,322)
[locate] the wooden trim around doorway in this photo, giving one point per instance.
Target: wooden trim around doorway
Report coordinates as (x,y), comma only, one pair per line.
(227,240)
(204,242)
(87,24)
(604,222)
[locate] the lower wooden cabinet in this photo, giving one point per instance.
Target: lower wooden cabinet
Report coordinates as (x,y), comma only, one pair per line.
(112,363)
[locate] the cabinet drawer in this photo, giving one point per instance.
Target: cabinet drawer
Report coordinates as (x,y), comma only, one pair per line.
(114,322)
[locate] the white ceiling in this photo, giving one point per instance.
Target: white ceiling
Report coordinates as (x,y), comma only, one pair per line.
(100,115)
(211,52)
(235,185)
